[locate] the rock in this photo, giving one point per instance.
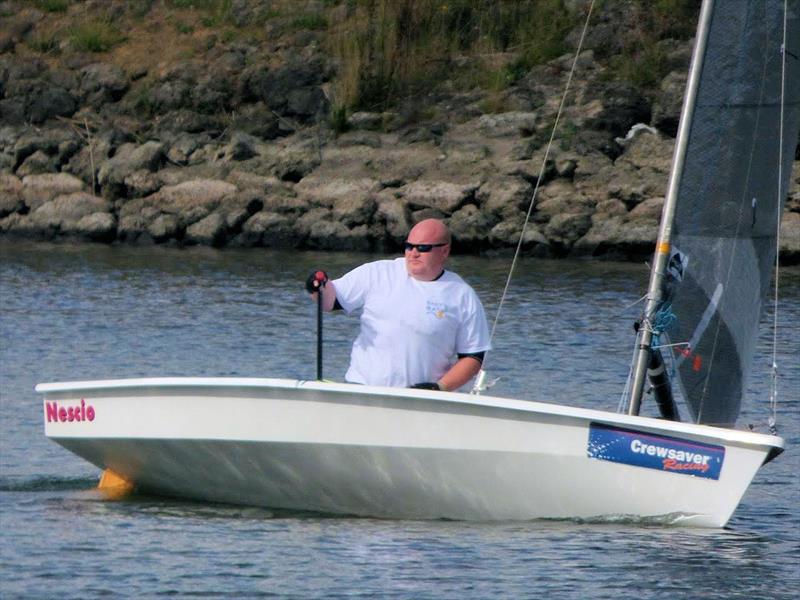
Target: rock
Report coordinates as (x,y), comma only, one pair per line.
(38,163)
(7,41)
(241,147)
(441,196)
(181,150)
(460,152)
(615,108)
(669,102)
(332,191)
(295,162)
(257,120)
(367,120)
(208,193)
(168,213)
(504,196)
(509,124)
(268,229)
(333,235)
(560,197)
(48,102)
(171,96)
(617,238)
(129,158)
(46,141)
(102,83)
(164,227)
(307,103)
(10,195)
(359,138)
(244,180)
(426,213)
(212,94)
(97,227)
(588,166)
(85,163)
(355,210)
(394,213)
(64,212)
(610,207)
(790,239)
(209,231)
(39,189)
(42,101)
(188,121)
(506,235)
(291,89)
(237,209)
(469,227)
(142,183)
(565,229)
(649,209)
(648,149)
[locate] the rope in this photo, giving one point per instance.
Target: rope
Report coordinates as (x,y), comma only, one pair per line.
(481,376)
(772,420)
(664,319)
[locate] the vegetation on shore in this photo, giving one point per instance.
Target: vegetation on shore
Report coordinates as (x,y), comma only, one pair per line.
(384,51)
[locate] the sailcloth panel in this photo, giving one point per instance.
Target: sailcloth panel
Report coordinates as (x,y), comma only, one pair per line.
(729,201)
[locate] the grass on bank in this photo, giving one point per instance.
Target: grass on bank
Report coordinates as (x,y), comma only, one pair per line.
(643,62)
(386,52)
(388,49)
(95,36)
(50,6)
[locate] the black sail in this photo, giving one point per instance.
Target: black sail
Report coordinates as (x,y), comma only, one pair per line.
(730,200)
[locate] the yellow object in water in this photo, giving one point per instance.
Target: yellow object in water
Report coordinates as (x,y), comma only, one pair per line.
(114,486)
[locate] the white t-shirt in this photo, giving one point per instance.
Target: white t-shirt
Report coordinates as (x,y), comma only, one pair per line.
(411,330)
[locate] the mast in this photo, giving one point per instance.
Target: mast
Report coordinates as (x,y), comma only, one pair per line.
(663,245)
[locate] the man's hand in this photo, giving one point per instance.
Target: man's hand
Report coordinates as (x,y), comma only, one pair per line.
(315,281)
(427,385)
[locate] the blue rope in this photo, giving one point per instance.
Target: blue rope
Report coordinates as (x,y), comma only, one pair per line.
(664,319)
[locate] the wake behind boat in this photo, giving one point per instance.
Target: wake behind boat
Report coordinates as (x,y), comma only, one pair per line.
(392,452)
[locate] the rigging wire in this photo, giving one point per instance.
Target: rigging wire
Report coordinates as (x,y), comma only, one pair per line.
(480,378)
(772,420)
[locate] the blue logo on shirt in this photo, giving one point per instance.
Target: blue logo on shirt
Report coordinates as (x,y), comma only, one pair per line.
(437,309)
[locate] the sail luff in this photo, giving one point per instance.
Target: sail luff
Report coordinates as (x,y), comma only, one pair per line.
(663,243)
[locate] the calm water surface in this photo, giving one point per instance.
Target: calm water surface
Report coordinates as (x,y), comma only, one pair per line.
(86,312)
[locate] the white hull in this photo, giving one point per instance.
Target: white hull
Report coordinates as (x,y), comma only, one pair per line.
(389,452)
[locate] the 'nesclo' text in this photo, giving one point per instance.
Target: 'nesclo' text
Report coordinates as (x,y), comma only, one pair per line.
(68,414)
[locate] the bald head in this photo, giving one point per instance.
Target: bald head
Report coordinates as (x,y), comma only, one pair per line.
(433,236)
(432,231)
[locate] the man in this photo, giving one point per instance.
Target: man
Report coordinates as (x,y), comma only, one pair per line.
(421,325)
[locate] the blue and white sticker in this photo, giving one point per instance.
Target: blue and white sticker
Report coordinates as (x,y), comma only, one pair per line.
(663,453)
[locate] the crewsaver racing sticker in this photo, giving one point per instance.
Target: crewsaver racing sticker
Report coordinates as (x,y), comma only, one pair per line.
(663,453)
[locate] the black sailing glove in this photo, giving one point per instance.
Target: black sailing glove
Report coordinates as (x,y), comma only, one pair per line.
(315,281)
(427,385)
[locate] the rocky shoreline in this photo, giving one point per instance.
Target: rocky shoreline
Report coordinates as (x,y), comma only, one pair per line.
(78,163)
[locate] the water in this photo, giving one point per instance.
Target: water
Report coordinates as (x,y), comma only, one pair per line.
(87,312)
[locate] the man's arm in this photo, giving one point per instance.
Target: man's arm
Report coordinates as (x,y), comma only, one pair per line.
(320,279)
(328,297)
(460,373)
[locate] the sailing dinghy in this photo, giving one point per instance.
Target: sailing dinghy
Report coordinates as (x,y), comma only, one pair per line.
(402,453)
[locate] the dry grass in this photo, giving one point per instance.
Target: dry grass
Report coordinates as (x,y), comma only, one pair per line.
(384,50)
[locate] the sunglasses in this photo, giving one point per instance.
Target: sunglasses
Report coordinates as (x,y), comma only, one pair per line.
(422,247)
